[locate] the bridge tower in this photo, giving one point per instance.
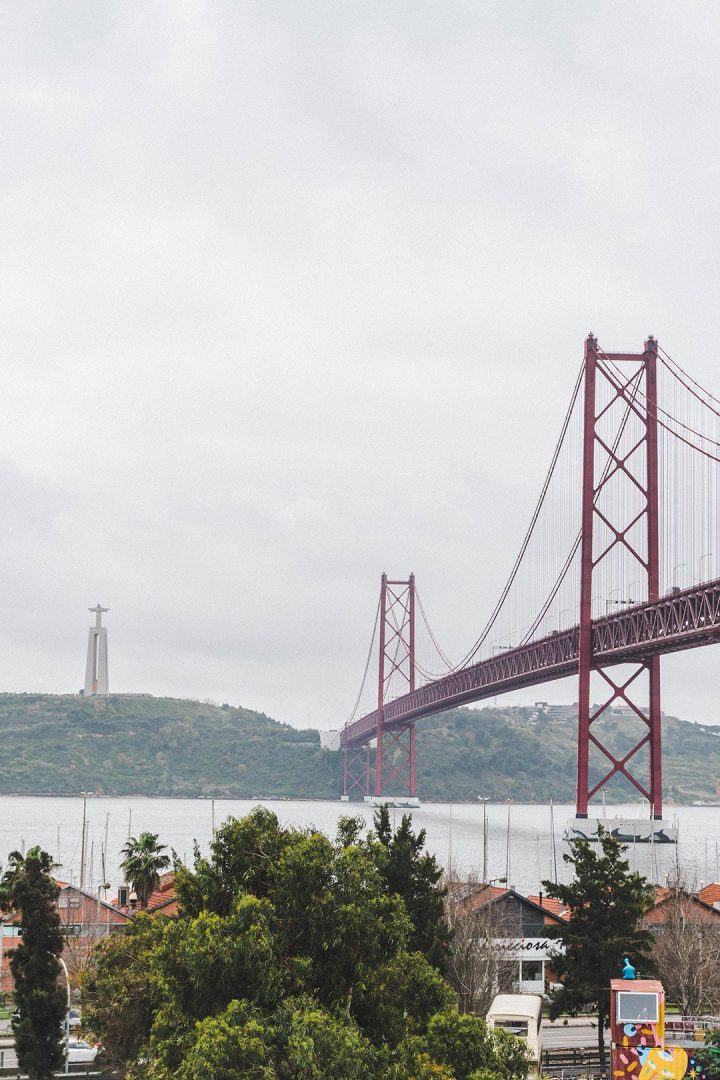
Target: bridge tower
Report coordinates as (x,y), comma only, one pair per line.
(619,521)
(396,661)
(394,750)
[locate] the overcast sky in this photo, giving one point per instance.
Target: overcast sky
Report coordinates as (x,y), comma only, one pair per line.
(295,292)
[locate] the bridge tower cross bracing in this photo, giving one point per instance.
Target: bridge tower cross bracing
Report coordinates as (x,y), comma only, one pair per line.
(396,658)
(356,770)
(638,396)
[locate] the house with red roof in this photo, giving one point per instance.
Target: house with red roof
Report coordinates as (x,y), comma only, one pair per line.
(521,924)
(85,920)
(696,907)
(162,901)
(710,894)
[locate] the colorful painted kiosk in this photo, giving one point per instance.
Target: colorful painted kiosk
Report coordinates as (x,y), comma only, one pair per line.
(637,1032)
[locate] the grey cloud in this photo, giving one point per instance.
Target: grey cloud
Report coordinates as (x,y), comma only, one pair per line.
(296,292)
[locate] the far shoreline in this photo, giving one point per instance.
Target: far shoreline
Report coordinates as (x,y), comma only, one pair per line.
(324,799)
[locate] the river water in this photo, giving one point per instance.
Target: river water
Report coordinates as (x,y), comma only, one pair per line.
(454,834)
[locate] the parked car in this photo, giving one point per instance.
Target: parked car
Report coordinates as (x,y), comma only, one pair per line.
(74,1018)
(81,1051)
(521,1015)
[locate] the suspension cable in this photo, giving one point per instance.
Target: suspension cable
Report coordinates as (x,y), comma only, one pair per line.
(616,378)
(576,544)
(434,640)
(658,409)
(367,665)
(528,535)
(668,361)
(676,434)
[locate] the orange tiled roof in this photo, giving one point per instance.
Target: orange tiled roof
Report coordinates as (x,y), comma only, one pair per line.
(485,894)
(488,894)
(711,893)
(550,904)
(703,908)
(162,896)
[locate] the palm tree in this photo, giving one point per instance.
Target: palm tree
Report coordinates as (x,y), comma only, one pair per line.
(142,864)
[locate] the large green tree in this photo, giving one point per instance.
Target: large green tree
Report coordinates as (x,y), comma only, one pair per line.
(412,873)
(28,888)
(126,991)
(144,860)
(290,959)
(605,901)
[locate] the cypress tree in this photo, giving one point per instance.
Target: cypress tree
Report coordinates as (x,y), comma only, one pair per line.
(605,901)
(414,875)
(40,998)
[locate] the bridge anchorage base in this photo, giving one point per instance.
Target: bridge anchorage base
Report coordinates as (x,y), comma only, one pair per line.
(402,802)
(627,830)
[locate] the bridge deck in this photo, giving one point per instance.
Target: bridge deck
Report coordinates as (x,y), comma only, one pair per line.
(678,621)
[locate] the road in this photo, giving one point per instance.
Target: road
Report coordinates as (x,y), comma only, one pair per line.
(8,1058)
(555,1037)
(560,1037)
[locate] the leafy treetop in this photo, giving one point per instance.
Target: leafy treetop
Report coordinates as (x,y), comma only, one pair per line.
(291,960)
(414,875)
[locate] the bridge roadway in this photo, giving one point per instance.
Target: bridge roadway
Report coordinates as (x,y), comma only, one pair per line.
(677,621)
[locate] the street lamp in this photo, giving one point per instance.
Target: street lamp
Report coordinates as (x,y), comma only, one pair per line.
(609,602)
(67,1016)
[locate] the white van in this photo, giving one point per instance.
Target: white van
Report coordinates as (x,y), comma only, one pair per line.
(521,1015)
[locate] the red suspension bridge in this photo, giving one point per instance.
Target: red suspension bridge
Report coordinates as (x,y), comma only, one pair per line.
(619,566)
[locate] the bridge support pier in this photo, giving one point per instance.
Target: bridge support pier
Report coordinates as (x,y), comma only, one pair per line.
(398,763)
(356,770)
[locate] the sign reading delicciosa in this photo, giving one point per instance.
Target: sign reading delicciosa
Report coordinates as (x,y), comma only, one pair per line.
(529,948)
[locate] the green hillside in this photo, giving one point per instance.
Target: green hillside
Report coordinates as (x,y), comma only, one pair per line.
(141,745)
(503,754)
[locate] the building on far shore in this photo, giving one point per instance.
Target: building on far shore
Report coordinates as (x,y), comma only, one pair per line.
(330,740)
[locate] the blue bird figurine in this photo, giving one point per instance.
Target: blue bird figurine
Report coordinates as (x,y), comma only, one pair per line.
(628,970)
